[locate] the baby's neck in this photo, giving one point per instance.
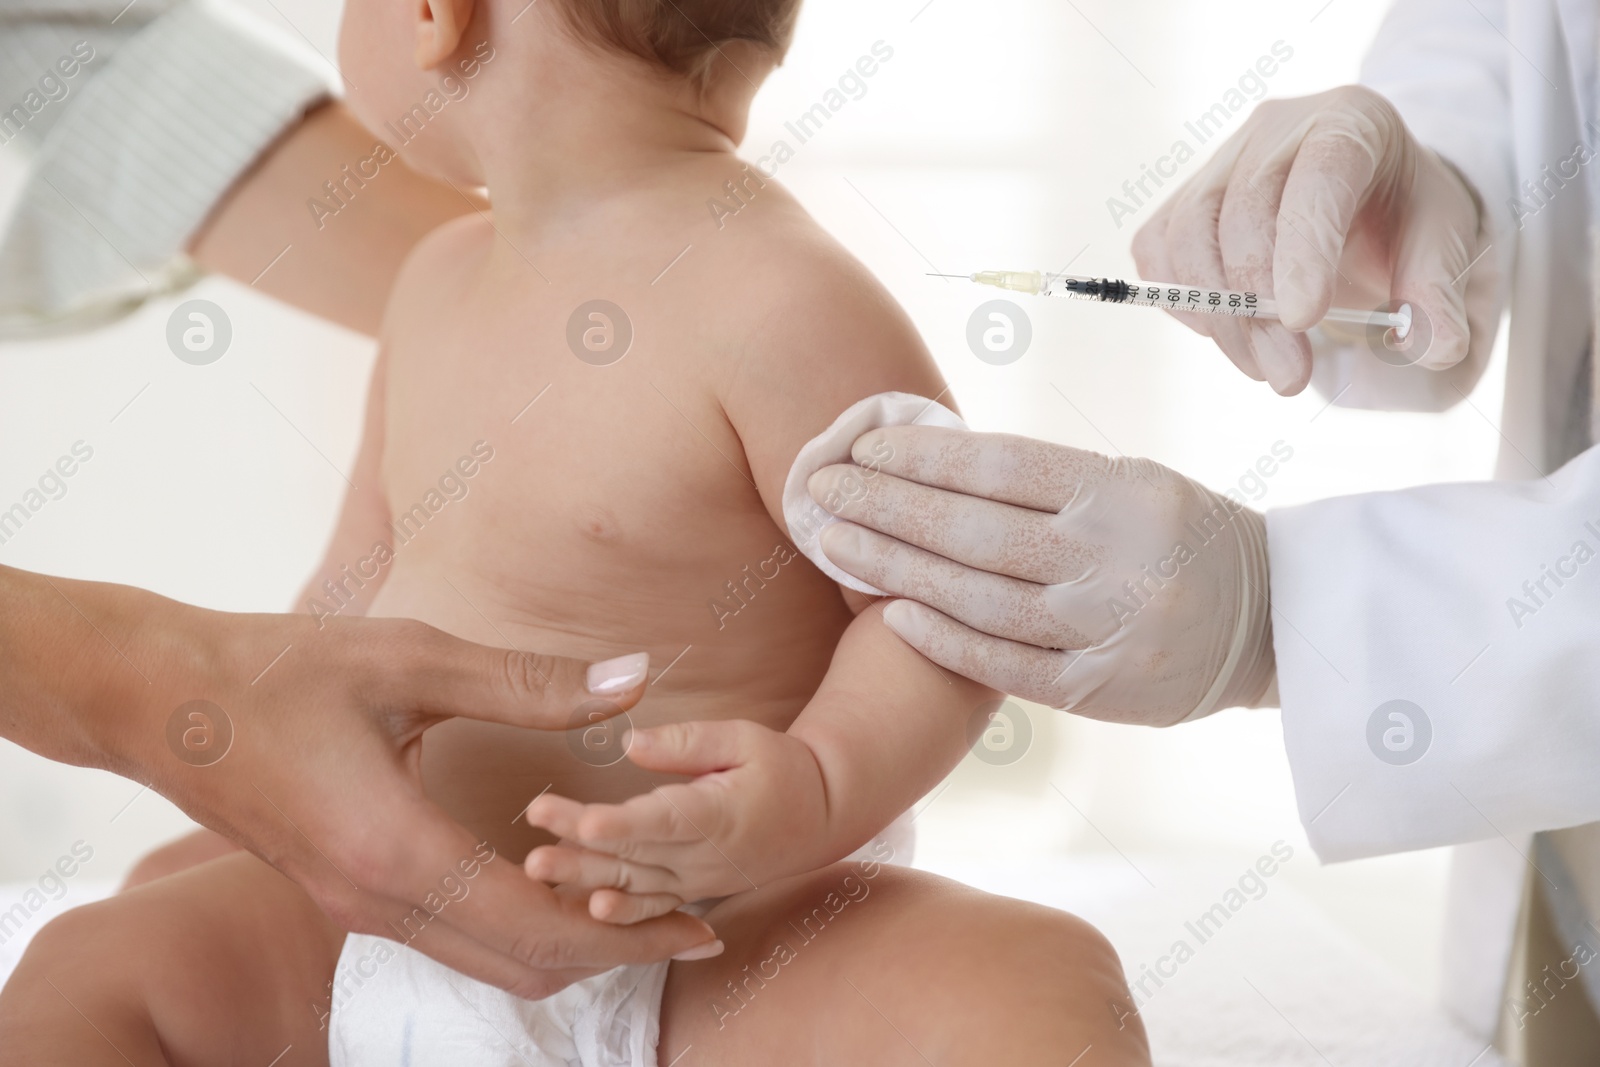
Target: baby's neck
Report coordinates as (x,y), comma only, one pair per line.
(593,129)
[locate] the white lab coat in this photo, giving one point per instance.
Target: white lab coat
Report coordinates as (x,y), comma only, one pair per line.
(1419,595)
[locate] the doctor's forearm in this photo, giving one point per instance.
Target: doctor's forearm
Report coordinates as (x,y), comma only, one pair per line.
(1439,676)
(330,249)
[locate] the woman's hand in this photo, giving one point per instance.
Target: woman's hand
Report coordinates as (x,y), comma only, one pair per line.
(302,742)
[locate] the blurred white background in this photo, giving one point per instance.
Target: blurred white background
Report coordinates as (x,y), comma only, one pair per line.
(992,138)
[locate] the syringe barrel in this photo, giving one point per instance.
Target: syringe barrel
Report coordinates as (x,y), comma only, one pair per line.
(1167,297)
(1237,303)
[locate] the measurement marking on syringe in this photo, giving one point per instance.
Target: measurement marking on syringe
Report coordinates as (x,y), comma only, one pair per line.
(1168,297)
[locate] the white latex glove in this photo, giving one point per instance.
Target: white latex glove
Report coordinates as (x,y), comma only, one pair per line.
(1320,200)
(1114,588)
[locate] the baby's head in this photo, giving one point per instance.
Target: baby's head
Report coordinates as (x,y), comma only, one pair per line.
(406,62)
(683,38)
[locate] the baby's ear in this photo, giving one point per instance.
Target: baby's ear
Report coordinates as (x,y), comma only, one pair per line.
(440,24)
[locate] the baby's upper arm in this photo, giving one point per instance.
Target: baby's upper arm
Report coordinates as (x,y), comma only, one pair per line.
(833,338)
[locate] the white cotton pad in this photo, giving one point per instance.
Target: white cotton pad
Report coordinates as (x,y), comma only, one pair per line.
(804,516)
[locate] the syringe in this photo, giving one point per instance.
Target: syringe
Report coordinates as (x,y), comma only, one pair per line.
(1170,297)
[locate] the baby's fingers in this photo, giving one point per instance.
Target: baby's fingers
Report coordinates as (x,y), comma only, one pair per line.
(564,865)
(666,815)
(557,814)
(625,909)
(697,747)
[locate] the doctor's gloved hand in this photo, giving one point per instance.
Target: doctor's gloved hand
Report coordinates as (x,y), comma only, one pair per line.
(1113,588)
(1324,200)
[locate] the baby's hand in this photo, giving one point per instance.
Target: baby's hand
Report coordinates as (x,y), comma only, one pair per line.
(757,811)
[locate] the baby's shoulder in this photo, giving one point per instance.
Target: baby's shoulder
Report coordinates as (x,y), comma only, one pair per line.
(817,333)
(440,259)
(446,250)
(791,281)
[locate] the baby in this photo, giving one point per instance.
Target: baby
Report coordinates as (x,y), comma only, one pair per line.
(578,437)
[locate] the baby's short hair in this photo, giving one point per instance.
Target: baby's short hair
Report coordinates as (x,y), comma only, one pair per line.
(682,36)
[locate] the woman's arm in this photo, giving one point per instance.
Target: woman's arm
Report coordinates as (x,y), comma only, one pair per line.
(300,743)
(339,257)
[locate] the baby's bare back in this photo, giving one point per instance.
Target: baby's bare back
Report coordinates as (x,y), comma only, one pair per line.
(610,508)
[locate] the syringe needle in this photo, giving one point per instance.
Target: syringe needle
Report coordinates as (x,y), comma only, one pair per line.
(963,277)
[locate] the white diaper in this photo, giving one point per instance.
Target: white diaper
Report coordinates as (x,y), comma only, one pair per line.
(395,1007)
(804,516)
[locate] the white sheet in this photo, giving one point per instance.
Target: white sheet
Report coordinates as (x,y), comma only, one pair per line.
(1277,986)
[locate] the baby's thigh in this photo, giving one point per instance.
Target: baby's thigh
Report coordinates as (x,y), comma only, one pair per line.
(227,962)
(903,967)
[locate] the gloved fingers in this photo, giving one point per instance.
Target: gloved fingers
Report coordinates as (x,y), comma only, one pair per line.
(976,531)
(1154,259)
(1439,246)
(1015,667)
(1249,229)
(1327,184)
(1080,682)
(1162,264)
(1149,245)
(993,603)
(1021,471)
(1193,246)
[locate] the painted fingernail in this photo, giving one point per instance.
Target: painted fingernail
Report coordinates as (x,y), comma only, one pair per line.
(906,620)
(612,676)
(700,952)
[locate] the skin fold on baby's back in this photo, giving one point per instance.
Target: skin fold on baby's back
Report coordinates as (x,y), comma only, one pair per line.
(610,508)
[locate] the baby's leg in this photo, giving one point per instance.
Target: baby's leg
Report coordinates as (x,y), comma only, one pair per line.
(190,850)
(903,968)
(226,962)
